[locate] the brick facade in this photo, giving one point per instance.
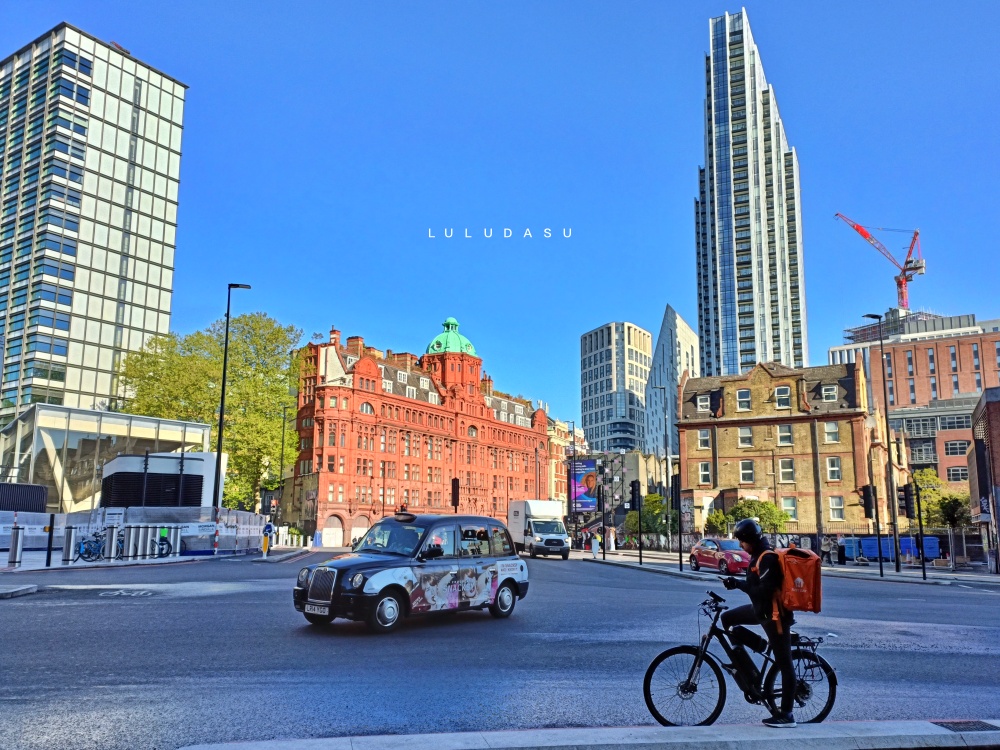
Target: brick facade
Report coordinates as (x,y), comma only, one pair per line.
(793,437)
(380,430)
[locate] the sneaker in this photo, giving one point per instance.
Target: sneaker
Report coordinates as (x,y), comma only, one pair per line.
(781,721)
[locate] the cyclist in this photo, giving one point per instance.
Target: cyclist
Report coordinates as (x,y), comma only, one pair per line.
(763,581)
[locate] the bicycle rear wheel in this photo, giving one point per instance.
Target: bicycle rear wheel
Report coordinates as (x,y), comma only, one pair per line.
(815,687)
(676,697)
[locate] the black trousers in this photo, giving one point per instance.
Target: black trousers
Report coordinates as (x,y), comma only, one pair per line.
(781,647)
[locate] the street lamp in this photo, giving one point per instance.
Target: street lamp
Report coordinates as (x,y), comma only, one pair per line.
(890,484)
(222,397)
(571,476)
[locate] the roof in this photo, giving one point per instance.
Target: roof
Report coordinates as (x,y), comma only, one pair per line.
(776,369)
(450,341)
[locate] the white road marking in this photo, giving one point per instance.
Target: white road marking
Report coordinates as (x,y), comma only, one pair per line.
(187,590)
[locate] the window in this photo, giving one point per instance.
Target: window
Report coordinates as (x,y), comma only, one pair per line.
(473,432)
(783,397)
(746,437)
(909,363)
(979,383)
(831,432)
(500,543)
(958,474)
(784,434)
(954,358)
(411,391)
(892,393)
(888,365)
(704,472)
(743,399)
(704,402)
(913,391)
(956,447)
(475,541)
(829,393)
(836,508)
(930,362)
(955,422)
(703,439)
(790,506)
(746,471)
(934,389)
(786,469)
(954,384)
(367,408)
(833,469)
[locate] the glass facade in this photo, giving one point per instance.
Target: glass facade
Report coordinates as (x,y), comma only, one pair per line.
(751,295)
(89,175)
(65,449)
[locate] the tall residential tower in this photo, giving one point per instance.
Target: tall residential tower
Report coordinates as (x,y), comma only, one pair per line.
(90,143)
(675,353)
(751,281)
(614,366)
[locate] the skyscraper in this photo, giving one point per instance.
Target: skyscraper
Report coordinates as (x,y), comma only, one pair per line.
(675,352)
(90,144)
(751,281)
(614,366)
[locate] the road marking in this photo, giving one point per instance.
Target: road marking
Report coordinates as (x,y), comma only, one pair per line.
(187,589)
(125,592)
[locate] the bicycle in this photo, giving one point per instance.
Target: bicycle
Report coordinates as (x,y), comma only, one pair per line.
(685,686)
(93,548)
(160,547)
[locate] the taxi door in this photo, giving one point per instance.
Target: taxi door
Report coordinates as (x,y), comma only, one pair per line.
(437,577)
(473,566)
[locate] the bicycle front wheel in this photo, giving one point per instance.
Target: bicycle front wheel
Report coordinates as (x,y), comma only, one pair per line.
(815,687)
(677,695)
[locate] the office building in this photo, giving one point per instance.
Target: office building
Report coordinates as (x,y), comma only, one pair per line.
(90,144)
(748,224)
(936,369)
(614,366)
(379,430)
(675,352)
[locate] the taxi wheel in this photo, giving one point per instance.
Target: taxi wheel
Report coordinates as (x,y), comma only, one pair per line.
(723,567)
(318,619)
(694,563)
(505,601)
(386,613)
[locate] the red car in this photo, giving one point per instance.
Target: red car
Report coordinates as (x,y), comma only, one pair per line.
(724,555)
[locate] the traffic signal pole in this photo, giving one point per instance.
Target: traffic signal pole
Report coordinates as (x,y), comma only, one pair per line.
(920,526)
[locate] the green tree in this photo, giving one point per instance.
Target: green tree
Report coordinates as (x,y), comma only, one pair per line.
(716,523)
(932,490)
(771,519)
(653,511)
(179,377)
(952,511)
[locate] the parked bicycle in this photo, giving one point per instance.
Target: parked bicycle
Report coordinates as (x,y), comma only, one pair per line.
(685,685)
(93,548)
(160,547)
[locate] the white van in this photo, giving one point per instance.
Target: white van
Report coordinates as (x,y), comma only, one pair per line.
(537,527)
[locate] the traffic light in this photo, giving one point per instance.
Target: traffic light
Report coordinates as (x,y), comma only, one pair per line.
(634,488)
(454,493)
(868,501)
(901,501)
(907,508)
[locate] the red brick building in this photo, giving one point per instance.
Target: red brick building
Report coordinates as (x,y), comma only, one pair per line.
(984,469)
(378,430)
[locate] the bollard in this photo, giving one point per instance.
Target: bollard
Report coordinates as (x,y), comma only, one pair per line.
(69,545)
(175,541)
(16,546)
(143,542)
(129,552)
(110,542)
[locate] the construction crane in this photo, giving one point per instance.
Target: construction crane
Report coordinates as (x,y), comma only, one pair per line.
(907,269)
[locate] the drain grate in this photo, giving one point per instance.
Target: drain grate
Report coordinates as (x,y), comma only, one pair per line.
(967,726)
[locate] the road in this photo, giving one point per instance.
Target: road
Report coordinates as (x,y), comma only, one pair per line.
(213,651)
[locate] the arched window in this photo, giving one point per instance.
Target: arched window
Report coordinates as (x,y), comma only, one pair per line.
(367,408)
(473,432)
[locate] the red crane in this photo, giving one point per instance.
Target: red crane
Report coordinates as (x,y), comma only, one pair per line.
(907,269)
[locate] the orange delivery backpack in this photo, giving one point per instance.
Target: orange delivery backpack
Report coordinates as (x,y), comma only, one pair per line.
(801,585)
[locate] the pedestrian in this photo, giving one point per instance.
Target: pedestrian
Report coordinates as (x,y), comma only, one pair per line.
(612,538)
(762,583)
(595,541)
(826,550)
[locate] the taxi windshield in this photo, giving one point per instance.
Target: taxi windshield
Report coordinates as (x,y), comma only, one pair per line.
(547,527)
(729,544)
(390,536)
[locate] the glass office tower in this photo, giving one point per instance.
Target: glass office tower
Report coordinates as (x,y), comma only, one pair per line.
(90,144)
(748,228)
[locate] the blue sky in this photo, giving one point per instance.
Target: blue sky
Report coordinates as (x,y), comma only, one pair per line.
(322,141)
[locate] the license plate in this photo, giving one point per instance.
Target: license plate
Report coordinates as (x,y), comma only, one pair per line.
(316,609)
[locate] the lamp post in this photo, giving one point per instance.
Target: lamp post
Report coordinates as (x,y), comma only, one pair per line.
(222,397)
(666,461)
(281,461)
(890,484)
(571,474)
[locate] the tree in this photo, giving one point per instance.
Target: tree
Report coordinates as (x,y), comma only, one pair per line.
(932,490)
(771,519)
(716,523)
(179,377)
(652,516)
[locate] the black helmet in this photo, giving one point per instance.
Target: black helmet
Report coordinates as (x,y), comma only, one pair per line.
(747,530)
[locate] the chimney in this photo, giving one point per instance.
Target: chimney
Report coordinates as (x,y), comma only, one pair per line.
(334,336)
(356,345)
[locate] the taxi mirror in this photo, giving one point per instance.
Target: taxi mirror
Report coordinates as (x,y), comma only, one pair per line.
(431,551)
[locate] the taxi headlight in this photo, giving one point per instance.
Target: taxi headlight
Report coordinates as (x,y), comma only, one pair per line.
(357,579)
(303,576)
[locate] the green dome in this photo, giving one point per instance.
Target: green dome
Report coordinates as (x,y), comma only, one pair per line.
(450,341)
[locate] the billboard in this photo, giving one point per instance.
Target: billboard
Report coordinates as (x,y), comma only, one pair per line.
(583,488)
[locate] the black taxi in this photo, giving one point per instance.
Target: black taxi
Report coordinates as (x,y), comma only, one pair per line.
(411,564)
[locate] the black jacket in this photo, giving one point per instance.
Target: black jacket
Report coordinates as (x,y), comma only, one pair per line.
(762,585)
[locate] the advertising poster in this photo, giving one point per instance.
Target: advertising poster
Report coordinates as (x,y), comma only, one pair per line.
(584,489)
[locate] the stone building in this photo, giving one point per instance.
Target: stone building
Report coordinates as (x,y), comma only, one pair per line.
(802,439)
(379,430)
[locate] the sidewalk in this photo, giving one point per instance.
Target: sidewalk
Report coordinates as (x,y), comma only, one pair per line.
(833,735)
(666,563)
